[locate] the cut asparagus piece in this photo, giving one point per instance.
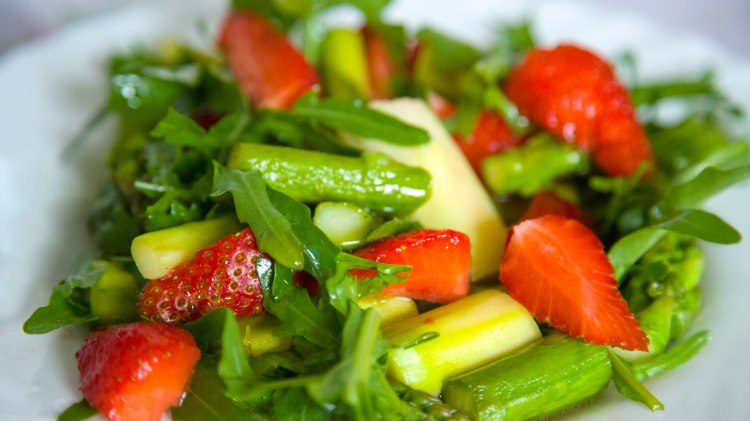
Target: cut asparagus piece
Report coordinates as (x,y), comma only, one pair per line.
(458,201)
(456,338)
(391,309)
(258,337)
(553,375)
(156,252)
(373,181)
(113,299)
(344,223)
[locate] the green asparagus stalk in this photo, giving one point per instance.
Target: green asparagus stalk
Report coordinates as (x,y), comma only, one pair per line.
(372,181)
(392,309)
(557,373)
(533,166)
(456,338)
(113,299)
(344,223)
(258,337)
(156,252)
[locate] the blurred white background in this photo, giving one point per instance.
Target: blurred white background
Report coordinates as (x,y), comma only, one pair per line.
(727,22)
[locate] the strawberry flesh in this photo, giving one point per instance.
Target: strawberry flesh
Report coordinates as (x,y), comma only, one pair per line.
(558,270)
(221,275)
(270,70)
(440,261)
(575,95)
(490,136)
(136,371)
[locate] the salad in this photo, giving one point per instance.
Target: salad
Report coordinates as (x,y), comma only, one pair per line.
(317,318)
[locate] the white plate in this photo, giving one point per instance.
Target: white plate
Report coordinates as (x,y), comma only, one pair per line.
(51,87)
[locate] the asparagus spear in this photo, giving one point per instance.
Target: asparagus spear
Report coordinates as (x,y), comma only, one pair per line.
(371,181)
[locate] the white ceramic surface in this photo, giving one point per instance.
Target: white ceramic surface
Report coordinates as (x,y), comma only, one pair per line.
(49,88)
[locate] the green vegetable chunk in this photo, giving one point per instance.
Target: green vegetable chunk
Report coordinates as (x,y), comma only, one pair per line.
(532,167)
(371,181)
(113,299)
(156,252)
(555,374)
(345,224)
(457,337)
(345,78)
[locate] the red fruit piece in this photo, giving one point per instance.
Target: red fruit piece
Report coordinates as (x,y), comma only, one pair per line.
(270,70)
(548,203)
(575,95)
(490,136)
(136,371)
(442,108)
(221,275)
(440,261)
(380,66)
(557,269)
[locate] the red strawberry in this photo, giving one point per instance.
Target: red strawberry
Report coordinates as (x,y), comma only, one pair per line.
(442,108)
(575,94)
(548,203)
(136,371)
(380,66)
(490,136)
(221,275)
(440,261)
(557,269)
(271,72)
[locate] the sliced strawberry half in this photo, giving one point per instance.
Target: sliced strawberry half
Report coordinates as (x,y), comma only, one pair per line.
(221,275)
(270,70)
(558,270)
(490,136)
(575,94)
(136,371)
(440,261)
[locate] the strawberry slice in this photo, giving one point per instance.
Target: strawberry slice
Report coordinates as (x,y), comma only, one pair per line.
(270,70)
(548,203)
(575,95)
(221,275)
(136,371)
(557,269)
(440,261)
(490,136)
(381,68)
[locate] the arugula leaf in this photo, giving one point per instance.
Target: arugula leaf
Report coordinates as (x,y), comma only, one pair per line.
(354,379)
(298,315)
(703,225)
(294,404)
(272,229)
(353,116)
(78,411)
(318,250)
(628,249)
(693,193)
(205,400)
(181,130)
(68,302)
(629,386)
